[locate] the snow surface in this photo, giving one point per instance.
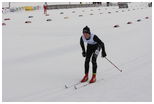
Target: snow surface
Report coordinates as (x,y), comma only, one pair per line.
(41,57)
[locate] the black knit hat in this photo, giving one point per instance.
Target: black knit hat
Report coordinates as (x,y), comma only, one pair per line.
(86,30)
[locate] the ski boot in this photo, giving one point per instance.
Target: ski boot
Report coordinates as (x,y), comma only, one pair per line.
(93,79)
(85,78)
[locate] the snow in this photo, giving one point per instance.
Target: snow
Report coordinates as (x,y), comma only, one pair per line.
(41,57)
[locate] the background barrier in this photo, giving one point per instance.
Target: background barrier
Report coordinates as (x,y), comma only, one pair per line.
(65,6)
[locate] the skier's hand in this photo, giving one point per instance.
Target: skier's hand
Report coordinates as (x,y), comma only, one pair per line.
(84,54)
(103,54)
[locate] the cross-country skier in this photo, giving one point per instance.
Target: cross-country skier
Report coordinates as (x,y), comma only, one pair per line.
(45,8)
(94,44)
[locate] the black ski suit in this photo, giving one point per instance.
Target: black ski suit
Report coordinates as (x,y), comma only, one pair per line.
(94,44)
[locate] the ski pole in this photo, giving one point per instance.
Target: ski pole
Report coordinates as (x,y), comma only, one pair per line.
(113,64)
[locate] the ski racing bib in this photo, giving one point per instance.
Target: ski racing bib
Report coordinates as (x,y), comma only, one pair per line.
(89,41)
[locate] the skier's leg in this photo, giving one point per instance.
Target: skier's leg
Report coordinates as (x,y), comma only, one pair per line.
(94,64)
(87,60)
(94,59)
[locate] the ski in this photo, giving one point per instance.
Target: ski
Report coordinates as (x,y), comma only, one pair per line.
(80,84)
(85,84)
(71,85)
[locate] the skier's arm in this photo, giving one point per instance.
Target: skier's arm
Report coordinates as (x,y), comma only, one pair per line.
(83,47)
(101,44)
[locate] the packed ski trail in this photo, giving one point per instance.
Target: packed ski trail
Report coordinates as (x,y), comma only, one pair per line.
(40,58)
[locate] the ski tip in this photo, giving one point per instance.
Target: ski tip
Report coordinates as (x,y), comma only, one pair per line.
(75,87)
(66,86)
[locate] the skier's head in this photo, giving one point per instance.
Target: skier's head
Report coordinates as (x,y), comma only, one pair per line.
(86,32)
